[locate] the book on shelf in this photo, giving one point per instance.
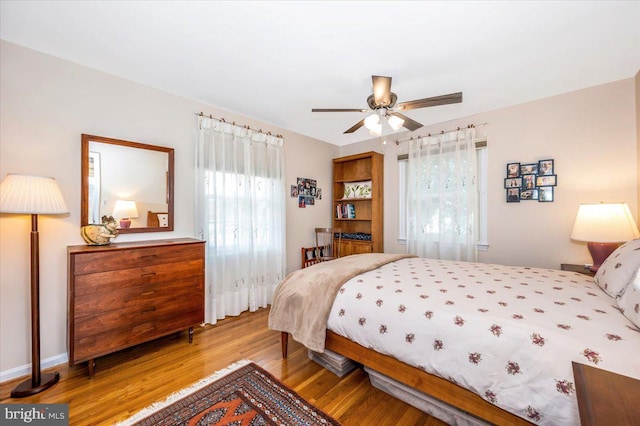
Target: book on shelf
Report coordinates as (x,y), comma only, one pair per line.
(345,211)
(351,211)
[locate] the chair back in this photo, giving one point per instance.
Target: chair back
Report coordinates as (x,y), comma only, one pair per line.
(328,242)
(310,256)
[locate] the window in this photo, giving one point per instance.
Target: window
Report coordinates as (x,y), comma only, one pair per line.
(482,154)
(236,212)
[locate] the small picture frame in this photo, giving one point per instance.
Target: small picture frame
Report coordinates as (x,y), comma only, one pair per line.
(301,203)
(513,195)
(513,182)
(547,180)
(545,167)
(529,194)
(513,170)
(545,194)
(294,191)
(528,182)
(529,169)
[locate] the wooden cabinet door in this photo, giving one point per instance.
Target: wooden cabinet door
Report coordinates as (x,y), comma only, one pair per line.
(349,247)
(358,247)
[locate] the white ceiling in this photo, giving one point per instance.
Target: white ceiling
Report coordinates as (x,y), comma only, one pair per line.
(274,61)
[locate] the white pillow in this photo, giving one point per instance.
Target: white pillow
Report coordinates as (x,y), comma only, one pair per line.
(629,301)
(357,189)
(619,269)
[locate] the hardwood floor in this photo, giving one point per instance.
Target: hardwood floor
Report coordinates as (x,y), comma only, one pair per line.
(127,381)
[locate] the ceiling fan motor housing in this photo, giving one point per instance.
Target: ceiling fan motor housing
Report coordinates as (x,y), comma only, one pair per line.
(371,102)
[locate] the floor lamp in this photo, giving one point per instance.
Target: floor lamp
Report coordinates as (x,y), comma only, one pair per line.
(34,195)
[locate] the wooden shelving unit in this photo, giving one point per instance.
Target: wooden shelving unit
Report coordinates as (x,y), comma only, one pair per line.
(367,166)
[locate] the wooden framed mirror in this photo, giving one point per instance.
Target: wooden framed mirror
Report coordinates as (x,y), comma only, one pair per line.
(118,175)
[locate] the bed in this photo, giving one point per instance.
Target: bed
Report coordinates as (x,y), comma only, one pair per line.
(495,342)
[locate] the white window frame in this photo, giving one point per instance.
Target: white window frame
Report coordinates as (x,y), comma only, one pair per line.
(482,154)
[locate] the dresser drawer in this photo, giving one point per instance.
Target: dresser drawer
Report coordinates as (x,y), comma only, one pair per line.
(96,345)
(166,309)
(110,260)
(109,281)
(125,297)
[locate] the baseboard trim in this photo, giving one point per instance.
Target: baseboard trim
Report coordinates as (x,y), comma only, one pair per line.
(25,370)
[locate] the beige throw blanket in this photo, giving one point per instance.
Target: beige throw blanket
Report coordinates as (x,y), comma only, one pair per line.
(302,301)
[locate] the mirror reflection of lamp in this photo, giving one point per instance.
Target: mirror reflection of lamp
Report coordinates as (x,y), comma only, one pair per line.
(603,227)
(125,210)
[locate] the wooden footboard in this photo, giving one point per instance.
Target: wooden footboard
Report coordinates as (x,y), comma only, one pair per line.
(426,383)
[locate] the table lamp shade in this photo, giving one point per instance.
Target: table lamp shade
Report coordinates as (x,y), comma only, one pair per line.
(25,194)
(125,209)
(603,227)
(604,223)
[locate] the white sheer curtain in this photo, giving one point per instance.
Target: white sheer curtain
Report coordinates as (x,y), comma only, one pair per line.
(240,212)
(442,196)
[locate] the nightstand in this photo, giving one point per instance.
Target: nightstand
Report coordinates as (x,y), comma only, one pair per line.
(576,268)
(606,398)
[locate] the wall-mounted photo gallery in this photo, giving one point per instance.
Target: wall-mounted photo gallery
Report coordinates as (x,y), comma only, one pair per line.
(306,191)
(531,181)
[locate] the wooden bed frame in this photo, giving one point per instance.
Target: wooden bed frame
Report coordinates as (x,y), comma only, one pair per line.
(426,383)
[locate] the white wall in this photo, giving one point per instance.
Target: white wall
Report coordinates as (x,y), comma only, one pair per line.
(46,104)
(591,135)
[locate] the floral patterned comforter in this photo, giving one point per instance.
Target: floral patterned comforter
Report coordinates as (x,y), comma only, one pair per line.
(508,334)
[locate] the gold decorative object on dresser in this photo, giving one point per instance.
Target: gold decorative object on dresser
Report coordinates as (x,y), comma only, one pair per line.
(124,294)
(358,201)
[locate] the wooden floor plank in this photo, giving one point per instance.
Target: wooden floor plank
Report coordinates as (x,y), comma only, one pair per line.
(130,380)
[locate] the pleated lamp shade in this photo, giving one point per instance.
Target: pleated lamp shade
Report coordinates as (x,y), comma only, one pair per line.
(604,223)
(25,194)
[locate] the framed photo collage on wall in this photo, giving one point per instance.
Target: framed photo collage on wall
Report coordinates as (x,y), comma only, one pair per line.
(530,181)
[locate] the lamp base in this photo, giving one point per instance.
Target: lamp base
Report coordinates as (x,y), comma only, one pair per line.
(125,223)
(26,388)
(600,252)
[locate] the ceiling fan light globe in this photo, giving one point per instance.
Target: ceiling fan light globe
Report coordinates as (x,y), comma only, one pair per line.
(372,121)
(395,122)
(376,130)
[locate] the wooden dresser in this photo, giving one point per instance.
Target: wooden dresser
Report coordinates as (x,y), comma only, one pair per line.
(124,294)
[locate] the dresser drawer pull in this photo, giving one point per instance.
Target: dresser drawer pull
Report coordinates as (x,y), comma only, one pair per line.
(148,274)
(148,293)
(144,311)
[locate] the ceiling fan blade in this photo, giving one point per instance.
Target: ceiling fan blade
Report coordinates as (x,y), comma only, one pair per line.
(451,98)
(339,110)
(355,127)
(408,122)
(381,90)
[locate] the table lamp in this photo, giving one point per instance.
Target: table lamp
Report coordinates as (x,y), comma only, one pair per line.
(34,195)
(603,226)
(125,210)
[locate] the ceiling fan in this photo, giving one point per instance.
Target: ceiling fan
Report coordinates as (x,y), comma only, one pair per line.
(382,104)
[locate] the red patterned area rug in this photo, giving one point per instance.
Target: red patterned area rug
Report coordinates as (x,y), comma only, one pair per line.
(241,394)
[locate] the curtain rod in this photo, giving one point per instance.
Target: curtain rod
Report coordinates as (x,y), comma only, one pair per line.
(200,114)
(442,132)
